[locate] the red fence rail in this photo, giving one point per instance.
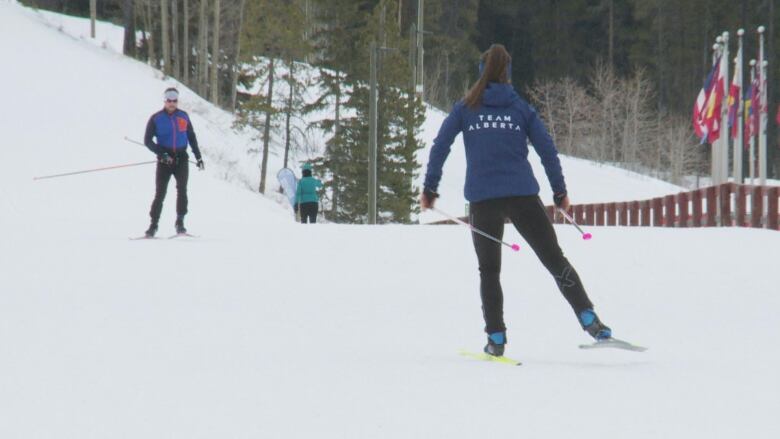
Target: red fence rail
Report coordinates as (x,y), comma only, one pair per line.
(726,205)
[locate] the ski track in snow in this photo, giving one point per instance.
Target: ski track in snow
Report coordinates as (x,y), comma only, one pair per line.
(265,328)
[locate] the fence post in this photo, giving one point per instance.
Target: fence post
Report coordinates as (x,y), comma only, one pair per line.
(634,217)
(682,206)
(711,206)
(697,211)
(600,214)
(644,206)
(550,213)
(741,207)
(724,192)
(658,212)
(757,206)
(622,213)
(611,214)
(669,214)
(579,214)
(589,220)
(772,206)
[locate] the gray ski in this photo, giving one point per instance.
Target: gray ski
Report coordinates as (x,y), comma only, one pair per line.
(615,344)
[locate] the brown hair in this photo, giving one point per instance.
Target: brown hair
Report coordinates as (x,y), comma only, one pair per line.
(496,62)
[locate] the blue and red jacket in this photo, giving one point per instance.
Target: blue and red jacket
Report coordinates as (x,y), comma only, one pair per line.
(496,136)
(173,132)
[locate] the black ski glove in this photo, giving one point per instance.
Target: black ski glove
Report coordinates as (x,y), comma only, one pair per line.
(165,159)
(428,198)
(558,198)
(201,166)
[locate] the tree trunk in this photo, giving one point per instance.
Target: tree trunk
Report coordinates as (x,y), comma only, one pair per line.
(237,61)
(215,57)
(203,56)
(336,141)
(288,111)
(166,45)
(128,48)
(612,34)
(267,127)
(176,51)
(185,59)
(151,41)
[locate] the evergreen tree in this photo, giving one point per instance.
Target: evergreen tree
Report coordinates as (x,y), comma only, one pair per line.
(276,35)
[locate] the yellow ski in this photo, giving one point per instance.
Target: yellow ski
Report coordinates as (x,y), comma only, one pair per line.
(485,357)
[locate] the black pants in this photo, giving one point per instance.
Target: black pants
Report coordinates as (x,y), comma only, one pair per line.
(180,170)
(309,212)
(528,216)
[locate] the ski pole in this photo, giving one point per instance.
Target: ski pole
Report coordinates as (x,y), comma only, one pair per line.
(107,168)
(514,247)
(139,143)
(585,236)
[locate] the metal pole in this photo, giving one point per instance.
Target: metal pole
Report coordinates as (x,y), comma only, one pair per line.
(92,17)
(420,51)
(715,145)
(105,168)
(724,120)
(738,140)
(372,137)
(752,140)
(762,109)
(413,54)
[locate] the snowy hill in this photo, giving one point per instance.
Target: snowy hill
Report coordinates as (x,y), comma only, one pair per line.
(263,328)
(588,182)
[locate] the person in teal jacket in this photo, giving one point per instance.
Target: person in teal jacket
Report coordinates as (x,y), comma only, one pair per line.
(306,198)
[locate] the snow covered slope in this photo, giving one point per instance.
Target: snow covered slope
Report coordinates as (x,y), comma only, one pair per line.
(588,181)
(263,328)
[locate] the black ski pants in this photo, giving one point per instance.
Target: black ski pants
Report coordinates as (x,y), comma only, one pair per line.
(309,212)
(528,216)
(180,170)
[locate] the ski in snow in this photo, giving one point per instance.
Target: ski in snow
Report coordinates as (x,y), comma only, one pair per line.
(485,357)
(182,235)
(615,344)
(141,238)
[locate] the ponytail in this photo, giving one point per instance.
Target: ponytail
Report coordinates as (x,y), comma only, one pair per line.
(494,68)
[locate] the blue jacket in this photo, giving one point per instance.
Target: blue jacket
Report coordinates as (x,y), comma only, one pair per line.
(496,136)
(173,132)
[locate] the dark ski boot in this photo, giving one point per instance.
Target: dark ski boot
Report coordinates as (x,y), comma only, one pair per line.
(495,344)
(590,322)
(180,230)
(151,231)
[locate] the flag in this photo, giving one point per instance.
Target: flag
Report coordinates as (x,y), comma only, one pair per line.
(777,118)
(748,116)
(734,95)
(755,106)
(706,110)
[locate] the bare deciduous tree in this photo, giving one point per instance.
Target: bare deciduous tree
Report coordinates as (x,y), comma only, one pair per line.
(215,58)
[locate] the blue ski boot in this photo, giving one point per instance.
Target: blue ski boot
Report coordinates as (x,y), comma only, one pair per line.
(590,322)
(495,344)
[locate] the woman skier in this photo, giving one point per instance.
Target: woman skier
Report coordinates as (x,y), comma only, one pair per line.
(306,198)
(497,125)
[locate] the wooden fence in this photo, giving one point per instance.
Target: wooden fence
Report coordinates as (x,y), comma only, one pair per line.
(726,205)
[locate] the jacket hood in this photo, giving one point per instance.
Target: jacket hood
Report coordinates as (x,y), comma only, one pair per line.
(499,95)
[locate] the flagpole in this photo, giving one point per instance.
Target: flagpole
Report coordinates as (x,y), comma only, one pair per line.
(724,114)
(762,109)
(752,139)
(715,146)
(738,117)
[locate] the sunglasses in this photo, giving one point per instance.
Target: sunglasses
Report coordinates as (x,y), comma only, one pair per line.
(172,100)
